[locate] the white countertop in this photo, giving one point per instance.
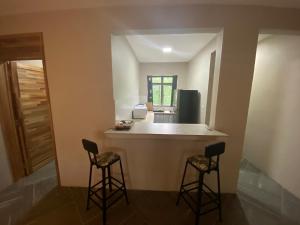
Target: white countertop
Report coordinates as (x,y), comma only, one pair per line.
(147,127)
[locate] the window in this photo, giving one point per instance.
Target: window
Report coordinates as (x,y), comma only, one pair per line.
(161,90)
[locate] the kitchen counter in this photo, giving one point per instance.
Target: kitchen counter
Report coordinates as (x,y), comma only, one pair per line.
(154,154)
(148,128)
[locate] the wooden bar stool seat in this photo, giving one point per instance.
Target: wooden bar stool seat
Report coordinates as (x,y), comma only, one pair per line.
(106,158)
(202,163)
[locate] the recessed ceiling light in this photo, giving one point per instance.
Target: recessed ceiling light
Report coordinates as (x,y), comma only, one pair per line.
(167,50)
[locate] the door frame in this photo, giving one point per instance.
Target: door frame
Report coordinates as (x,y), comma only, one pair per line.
(210,87)
(33,51)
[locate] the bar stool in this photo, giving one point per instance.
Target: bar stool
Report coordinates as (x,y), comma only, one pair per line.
(104,161)
(204,164)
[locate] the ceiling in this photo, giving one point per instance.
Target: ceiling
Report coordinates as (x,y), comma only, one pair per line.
(262,37)
(21,6)
(149,48)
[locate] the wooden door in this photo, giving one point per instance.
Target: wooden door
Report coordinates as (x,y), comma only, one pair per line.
(8,124)
(33,112)
(23,47)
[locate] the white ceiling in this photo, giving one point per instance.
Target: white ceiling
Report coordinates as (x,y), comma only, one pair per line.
(148,48)
(25,6)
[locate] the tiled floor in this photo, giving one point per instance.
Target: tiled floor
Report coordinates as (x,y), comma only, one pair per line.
(18,199)
(67,206)
(260,201)
(264,201)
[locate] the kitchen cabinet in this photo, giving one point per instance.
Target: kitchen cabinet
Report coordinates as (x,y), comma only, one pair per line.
(164,117)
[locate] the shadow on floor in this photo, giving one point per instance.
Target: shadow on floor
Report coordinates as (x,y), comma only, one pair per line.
(67,206)
(260,201)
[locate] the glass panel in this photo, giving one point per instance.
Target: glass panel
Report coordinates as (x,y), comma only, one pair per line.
(156,94)
(167,98)
(156,80)
(168,80)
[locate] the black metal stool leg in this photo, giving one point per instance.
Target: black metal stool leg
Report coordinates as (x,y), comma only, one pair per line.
(199,200)
(219,196)
(109,179)
(123,180)
(180,191)
(89,188)
(103,197)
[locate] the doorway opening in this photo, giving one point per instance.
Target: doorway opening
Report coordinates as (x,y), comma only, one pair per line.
(166,76)
(24,84)
(271,147)
(27,144)
(210,87)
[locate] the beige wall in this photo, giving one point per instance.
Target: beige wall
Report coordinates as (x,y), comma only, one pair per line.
(273,127)
(6,176)
(167,69)
(198,75)
(78,58)
(125,71)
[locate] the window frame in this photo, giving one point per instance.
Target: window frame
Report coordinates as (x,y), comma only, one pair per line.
(161,84)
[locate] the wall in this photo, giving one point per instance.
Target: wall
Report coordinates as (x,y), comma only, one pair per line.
(198,75)
(79,68)
(125,71)
(179,69)
(273,127)
(6,176)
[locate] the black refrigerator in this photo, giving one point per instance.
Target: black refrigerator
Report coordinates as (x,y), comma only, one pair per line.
(188,102)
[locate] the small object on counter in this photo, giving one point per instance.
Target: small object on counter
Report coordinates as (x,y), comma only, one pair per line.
(149,106)
(124,124)
(139,111)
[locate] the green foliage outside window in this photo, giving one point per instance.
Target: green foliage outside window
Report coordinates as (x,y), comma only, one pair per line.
(161,90)
(167,95)
(156,94)
(156,80)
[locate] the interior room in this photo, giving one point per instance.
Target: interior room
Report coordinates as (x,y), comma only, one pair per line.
(270,159)
(150,69)
(149,112)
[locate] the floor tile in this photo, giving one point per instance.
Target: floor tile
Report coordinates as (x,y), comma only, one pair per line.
(67,214)
(290,206)
(264,200)
(260,201)
(18,199)
(146,207)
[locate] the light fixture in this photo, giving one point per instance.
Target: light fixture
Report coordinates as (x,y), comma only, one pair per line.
(167,50)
